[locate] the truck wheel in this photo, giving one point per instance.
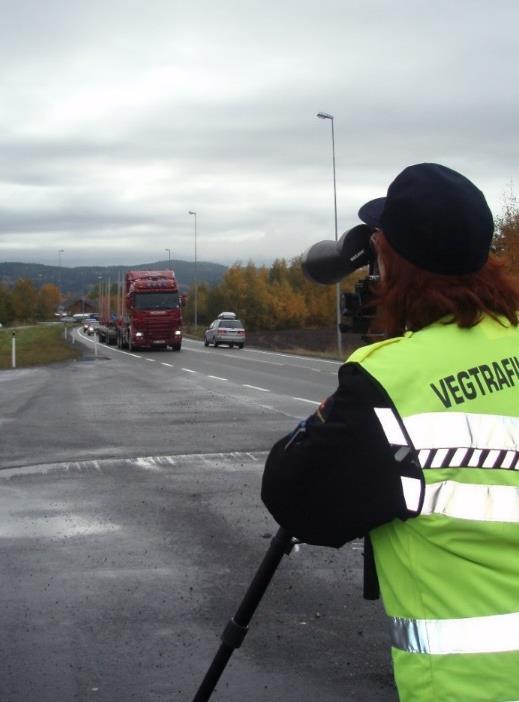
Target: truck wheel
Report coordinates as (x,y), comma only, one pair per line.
(240,346)
(130,345)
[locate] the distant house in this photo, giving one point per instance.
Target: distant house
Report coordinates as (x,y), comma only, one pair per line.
(81,306)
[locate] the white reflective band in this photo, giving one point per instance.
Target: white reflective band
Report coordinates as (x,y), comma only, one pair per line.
(435,430)
(412,488)
(392,429)
(485,503)
(493,634)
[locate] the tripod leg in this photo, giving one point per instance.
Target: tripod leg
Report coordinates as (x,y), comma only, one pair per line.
(237,627)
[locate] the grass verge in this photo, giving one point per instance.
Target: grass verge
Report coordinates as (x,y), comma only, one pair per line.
(35,346)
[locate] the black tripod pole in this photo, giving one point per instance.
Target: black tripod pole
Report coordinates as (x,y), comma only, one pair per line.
(237,627)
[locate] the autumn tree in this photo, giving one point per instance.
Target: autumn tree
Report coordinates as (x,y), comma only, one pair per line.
(279,297)
(6,305)
(506,239)
(48,301)
(25,300)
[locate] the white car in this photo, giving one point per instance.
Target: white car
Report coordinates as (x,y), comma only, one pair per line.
(226,329)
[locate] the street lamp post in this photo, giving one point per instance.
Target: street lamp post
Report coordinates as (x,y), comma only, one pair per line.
(169,257)
(196,276)
(326,115)
(99,292)
(59,276)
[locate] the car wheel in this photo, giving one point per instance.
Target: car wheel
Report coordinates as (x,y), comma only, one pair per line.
(206,343)
(231,346)
(215,343)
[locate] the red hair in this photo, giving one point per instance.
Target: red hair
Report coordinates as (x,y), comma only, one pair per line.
(410,298)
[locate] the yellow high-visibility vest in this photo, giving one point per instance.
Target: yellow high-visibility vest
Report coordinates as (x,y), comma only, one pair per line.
(450,578)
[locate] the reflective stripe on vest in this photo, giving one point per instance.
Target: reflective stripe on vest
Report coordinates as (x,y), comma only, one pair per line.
(456,439)
(485,503)
(493,634)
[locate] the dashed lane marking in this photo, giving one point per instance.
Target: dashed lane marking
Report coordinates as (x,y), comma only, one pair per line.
(255,387)
(216,377)
(303,399)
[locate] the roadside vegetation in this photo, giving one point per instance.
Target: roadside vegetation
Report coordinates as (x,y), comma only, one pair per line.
(36,345)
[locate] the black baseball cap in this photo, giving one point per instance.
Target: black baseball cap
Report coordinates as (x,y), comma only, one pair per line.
(435,218)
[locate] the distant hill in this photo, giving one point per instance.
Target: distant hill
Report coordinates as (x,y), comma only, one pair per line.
(78,282)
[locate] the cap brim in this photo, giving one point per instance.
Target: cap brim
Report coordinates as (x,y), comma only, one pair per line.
(371,212)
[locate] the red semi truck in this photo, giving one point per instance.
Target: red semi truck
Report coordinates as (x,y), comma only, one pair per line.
(150,313)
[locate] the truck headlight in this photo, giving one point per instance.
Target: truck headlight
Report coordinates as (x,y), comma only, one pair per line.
(139,335)
(178,333)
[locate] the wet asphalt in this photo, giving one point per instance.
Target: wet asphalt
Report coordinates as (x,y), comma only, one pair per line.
(131,528)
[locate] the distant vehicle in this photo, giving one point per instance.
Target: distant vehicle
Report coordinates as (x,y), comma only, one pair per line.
(81,316)
(151,315)
(66,319)
(92,327)
(87,321)
(226,329)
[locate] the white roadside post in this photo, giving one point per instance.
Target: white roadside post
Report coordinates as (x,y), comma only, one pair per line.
(13,351)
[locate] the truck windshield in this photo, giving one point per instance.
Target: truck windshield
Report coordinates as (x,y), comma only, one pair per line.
(156,301)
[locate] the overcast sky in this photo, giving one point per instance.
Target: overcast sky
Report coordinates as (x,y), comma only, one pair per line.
(119,116)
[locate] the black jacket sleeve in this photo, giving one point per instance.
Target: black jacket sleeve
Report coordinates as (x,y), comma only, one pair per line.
(336,476)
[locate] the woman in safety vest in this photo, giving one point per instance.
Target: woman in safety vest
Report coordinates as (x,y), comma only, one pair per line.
(419,445)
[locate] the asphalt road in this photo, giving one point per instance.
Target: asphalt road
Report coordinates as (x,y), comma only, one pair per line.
(132,526)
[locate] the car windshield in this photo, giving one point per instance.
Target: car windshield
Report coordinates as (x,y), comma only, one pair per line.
(231,324)
(156,301)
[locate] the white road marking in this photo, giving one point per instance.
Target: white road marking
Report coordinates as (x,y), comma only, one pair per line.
(92,341)
(188,370)
(255,387)
(170,365)
(303,399)
(215,377)
(151,360)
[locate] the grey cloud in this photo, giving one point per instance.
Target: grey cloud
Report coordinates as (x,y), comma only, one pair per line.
(116,119)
